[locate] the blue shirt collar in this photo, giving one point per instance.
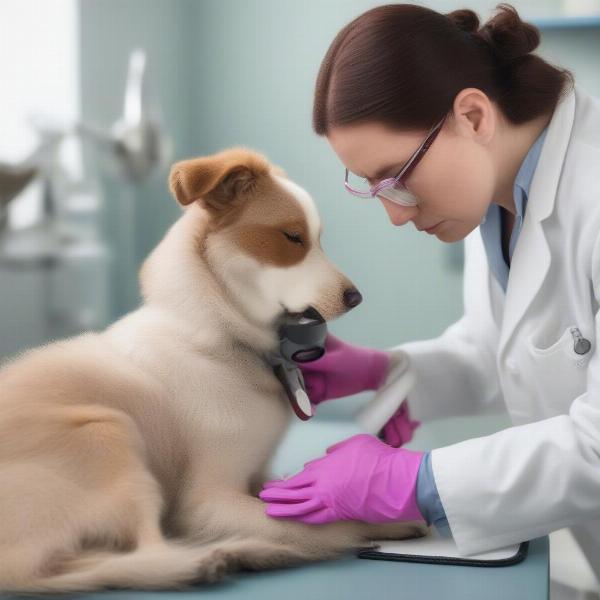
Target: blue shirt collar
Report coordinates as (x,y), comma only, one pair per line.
(525,174)
(523,178)
(491,223)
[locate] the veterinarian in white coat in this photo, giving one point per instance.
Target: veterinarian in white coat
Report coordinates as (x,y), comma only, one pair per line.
(532,346)
(543,473)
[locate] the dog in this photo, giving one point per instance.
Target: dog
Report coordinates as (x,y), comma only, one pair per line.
(132,457)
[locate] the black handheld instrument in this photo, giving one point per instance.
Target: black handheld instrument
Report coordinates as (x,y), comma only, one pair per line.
(301,339)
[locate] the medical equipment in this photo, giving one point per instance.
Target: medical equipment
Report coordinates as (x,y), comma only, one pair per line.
(137,144)
(61,262)
(580,344)
(380,408)
(12,182)
(301,339)
(439,550)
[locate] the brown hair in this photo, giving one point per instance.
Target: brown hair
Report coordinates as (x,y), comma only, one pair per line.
(403,65)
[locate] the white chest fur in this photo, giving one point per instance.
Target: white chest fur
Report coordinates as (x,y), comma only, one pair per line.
(229,406)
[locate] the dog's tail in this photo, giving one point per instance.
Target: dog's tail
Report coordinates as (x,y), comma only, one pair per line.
(165,564)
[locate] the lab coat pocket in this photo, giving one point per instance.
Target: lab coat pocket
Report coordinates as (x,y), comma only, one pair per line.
(559,371)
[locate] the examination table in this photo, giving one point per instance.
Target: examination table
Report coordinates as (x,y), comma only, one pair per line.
(349,577)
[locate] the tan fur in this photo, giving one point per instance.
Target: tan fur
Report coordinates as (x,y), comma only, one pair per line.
(223,183)
(202,178)
(261,227)
(132,457)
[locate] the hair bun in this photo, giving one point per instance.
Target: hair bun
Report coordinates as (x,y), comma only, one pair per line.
(508,36)
(465,20)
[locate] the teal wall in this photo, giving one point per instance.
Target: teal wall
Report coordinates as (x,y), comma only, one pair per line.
(138,216)
(242,72)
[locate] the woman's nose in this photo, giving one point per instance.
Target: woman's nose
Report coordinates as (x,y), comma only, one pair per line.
(398,215)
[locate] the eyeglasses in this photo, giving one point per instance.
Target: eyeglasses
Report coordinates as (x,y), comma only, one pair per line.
(394,188)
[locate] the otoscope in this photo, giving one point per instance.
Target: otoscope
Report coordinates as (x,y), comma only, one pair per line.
(301,339)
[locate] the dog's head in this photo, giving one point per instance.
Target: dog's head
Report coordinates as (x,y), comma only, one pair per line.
(263,235)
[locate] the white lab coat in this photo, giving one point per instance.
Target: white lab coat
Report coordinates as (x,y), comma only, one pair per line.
(542,473)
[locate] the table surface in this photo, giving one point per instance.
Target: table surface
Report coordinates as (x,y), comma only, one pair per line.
(350,577)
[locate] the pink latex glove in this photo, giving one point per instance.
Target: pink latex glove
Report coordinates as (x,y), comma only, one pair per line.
(360,478)
(343,370)
(399,429)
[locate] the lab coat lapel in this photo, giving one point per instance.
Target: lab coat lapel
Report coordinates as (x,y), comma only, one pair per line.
(529,267)
(531,258)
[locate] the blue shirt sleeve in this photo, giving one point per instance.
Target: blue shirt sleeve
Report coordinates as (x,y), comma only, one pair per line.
(428,499)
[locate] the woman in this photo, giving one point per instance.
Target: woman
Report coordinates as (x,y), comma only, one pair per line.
(475,138)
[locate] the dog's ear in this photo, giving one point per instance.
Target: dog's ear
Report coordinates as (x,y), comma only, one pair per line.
(219,181)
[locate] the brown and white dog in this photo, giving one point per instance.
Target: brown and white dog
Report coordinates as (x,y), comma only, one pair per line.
(132,457)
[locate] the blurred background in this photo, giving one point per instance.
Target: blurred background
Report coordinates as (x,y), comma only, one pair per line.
(100,97)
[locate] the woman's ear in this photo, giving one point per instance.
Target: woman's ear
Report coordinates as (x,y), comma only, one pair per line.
(220,181)
(474,115)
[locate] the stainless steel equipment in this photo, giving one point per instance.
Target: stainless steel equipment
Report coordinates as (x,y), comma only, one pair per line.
(54,274)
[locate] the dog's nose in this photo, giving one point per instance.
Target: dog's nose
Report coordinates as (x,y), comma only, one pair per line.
(352,297)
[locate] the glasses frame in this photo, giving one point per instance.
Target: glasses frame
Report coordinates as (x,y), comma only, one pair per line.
(406,170)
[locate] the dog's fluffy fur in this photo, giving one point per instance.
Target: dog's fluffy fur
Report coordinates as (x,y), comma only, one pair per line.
(132,457)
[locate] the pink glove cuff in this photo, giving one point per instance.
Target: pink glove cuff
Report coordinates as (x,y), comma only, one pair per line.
(404,494)
(399,429)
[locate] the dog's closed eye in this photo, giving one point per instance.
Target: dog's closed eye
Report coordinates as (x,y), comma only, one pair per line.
(294,238)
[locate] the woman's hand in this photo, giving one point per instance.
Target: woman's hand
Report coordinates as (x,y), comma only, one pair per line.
(345,369)
(399,429)
(360,478)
